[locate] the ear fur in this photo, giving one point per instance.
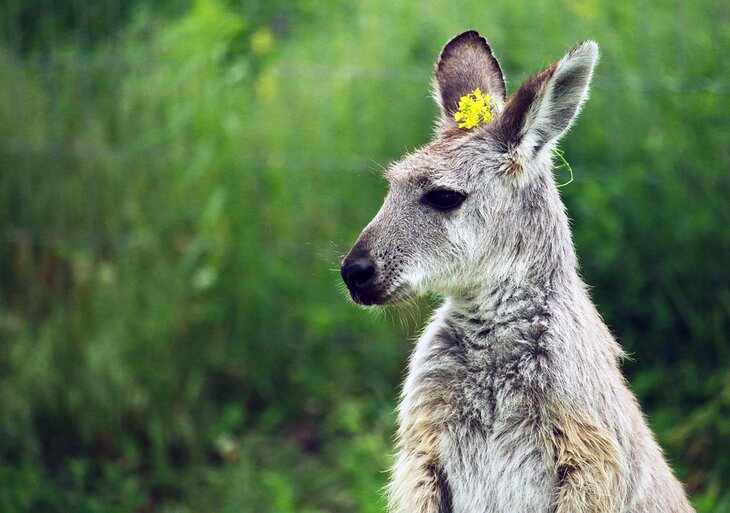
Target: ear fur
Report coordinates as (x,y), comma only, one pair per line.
(466,63)
(545,107)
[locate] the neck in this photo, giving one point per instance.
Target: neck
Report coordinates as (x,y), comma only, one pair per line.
(506,309)
(522,293)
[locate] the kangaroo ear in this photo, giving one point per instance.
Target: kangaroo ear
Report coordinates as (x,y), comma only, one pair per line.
(466,63)
(546,105)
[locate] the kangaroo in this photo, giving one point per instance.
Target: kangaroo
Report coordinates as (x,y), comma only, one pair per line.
(514,400)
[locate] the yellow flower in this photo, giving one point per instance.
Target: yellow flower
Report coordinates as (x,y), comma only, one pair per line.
(474,109)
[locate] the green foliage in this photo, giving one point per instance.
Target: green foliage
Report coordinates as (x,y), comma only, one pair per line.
(176,189)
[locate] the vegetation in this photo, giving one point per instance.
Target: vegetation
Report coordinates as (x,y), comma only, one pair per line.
(178,181)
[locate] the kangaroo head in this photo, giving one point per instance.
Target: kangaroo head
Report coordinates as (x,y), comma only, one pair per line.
(475,205)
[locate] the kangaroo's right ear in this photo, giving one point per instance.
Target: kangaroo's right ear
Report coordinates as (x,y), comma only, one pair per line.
(466,63)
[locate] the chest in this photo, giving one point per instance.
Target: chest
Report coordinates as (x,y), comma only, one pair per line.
(489,445)
(474,381)
(500,471)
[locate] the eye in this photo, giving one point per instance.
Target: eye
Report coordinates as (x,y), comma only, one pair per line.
(443,199)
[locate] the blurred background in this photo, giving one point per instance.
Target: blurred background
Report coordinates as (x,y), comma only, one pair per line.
(178,180)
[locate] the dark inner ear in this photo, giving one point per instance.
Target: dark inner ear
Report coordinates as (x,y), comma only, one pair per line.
(566,86)
(467,63)
(513,119)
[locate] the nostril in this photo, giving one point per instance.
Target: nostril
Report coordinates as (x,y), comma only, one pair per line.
(359,273)
(364,275)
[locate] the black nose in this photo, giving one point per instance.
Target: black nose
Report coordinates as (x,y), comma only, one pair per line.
(358,273)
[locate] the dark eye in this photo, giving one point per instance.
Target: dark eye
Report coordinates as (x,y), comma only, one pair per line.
(443,199)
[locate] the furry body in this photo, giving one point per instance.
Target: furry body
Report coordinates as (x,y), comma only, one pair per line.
(519,427)
(514,401)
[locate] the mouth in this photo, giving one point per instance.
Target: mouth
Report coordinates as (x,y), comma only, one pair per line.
(367,297)
(399,294)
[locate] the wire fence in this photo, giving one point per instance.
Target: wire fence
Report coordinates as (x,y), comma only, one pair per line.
(36,41)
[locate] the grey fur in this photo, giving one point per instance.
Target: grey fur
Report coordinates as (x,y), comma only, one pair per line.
(514,401)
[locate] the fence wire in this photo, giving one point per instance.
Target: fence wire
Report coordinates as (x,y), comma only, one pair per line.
(58,41)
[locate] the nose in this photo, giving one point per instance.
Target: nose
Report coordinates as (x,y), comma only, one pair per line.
(358,274)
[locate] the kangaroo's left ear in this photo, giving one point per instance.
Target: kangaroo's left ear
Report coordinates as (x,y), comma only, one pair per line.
(545,107)
(466,63)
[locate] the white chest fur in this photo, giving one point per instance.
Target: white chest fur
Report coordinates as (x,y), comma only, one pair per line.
(488,449)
